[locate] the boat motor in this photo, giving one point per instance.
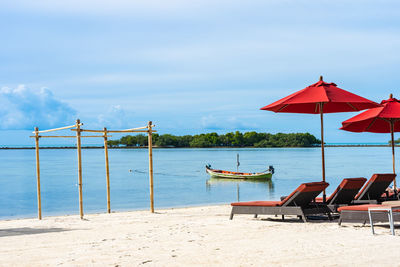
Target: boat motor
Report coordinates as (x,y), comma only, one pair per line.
(271,169)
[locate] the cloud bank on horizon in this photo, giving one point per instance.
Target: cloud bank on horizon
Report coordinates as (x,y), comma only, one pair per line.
(23,109)
(194,66)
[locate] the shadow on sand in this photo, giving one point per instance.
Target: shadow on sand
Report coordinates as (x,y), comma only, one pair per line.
(29,231)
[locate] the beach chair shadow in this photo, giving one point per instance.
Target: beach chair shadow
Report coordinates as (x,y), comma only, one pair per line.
(30,231)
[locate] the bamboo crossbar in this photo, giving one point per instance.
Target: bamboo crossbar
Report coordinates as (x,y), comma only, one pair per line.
(132,131)
(137,130)
(68,136)
(57,129)
(116,131)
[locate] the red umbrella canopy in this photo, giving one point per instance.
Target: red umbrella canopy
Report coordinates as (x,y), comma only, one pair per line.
(309,100)
(384,119)
(376,120)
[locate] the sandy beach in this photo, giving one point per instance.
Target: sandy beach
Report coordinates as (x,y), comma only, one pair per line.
(199,236)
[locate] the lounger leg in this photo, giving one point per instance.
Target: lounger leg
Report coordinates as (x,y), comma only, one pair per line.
(340,222)
(371,222)
(255,215)
(391,221)
(231,217)
(283,217)
(330,216)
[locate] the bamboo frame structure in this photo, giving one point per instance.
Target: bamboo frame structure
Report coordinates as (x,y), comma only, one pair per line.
(146,129)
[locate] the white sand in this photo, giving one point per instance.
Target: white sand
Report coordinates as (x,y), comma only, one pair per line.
(202,236)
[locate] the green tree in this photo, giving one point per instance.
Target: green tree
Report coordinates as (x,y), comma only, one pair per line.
(229,139)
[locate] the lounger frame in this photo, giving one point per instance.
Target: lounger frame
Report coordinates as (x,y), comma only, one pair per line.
(361,216)
(288,210)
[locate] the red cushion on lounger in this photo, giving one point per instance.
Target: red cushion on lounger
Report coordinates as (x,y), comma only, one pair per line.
(348,183)
(358,207)
(352,183)
(361,207)
(307,187)
(257,203)
(303,188)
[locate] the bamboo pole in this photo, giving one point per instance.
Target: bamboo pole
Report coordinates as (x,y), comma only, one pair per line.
(78,146)
(57,129)
(150,146)
(321,107)
(393,157)
(107,170)
(39,199)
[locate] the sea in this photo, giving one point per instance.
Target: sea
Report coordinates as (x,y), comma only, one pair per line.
(180,179)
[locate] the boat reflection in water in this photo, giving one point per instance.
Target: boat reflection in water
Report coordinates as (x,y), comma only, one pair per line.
(216,182)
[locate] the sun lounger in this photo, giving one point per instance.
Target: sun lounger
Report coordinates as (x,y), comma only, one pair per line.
(344,193)
(374,188)
(359,214)
(299,203)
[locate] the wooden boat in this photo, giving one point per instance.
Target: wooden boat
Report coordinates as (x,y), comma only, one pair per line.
(239,175)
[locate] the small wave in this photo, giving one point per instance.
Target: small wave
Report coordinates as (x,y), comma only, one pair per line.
(164,174)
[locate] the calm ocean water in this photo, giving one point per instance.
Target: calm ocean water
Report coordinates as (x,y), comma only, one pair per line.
(179,176)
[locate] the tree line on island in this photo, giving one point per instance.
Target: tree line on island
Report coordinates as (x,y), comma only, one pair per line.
(236,139)
(395,141)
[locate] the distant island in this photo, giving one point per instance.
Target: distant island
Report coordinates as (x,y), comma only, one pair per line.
(236,139)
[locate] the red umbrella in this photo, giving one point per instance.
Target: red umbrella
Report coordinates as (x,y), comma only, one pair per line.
(320,98)
(384,119)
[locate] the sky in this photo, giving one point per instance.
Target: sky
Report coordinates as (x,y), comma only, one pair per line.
(189,66)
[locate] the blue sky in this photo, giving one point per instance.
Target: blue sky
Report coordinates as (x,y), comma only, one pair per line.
(189,66)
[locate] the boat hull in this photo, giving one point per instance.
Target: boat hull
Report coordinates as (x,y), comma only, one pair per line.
(238,175)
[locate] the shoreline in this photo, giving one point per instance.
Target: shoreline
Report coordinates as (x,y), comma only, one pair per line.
(155,147)
(99,212)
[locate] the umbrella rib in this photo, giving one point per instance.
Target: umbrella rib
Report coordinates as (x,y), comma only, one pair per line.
(282,108)
(353,107)
(369,126)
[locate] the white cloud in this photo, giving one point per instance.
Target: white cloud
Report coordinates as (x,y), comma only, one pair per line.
(115,117)
(232,123)
(23,108)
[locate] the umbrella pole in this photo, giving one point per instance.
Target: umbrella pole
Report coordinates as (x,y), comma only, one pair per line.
(321,106)
(393,158)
